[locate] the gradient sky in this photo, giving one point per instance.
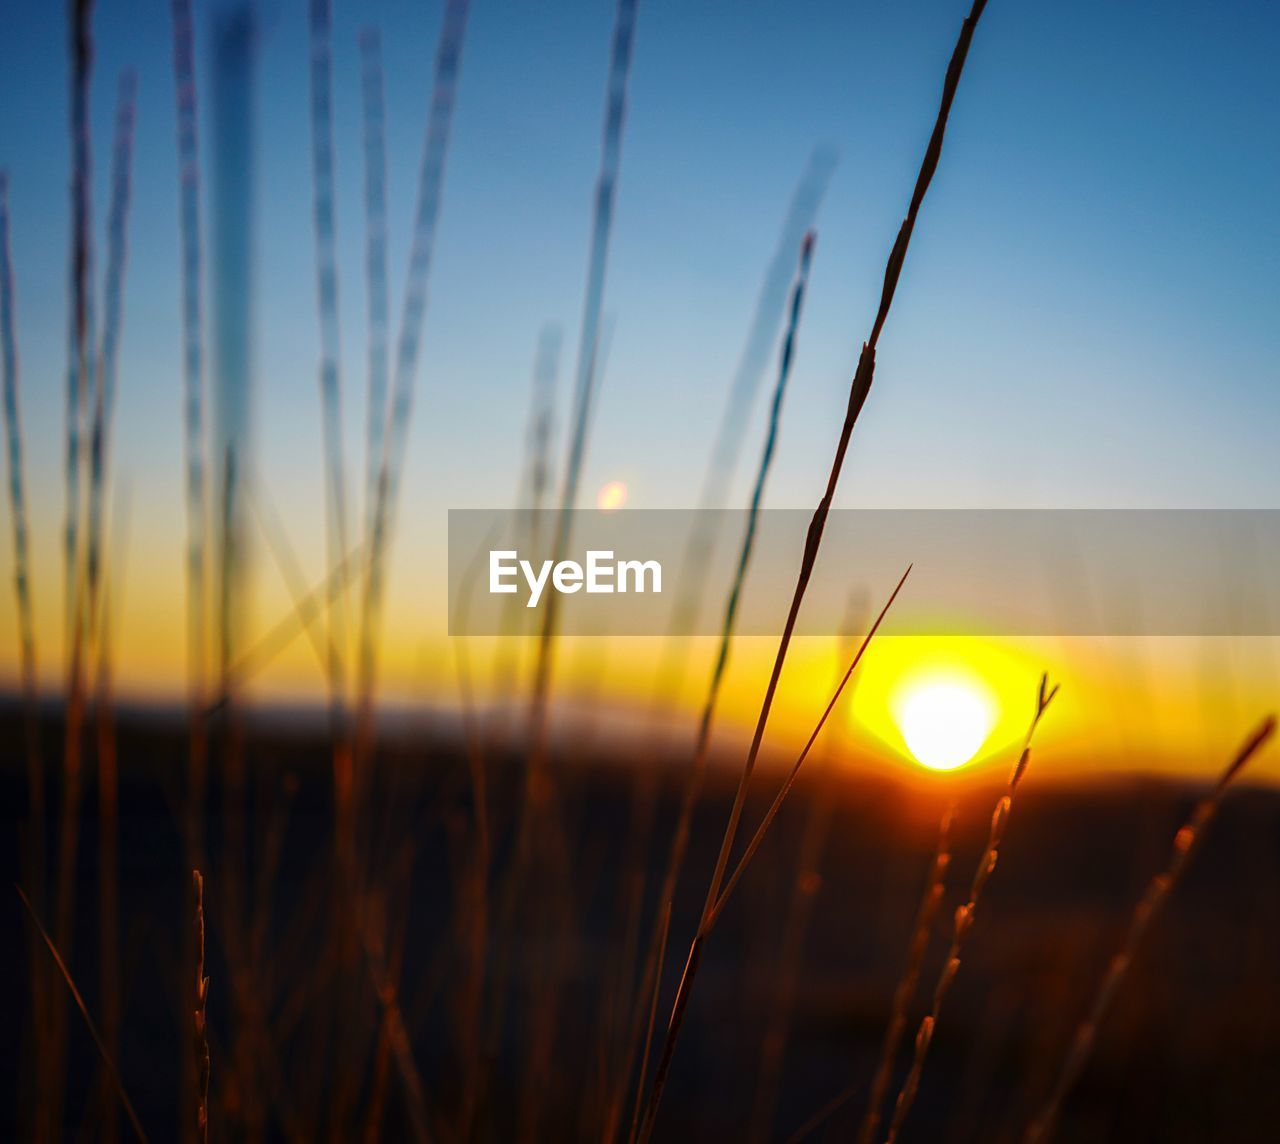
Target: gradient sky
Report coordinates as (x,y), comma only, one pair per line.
(1087,316)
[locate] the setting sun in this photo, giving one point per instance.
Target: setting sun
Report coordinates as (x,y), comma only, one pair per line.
(944,720)
(945,702)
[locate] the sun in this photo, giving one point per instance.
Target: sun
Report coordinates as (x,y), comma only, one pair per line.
(944,719)
(943,702)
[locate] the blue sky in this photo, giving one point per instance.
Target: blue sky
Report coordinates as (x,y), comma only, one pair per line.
(1087,315)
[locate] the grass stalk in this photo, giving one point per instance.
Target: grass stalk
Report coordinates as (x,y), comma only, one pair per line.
(655,993)
(199,1022)
(474,909)
(11,379)
(322,172)
(713,908)
(80,314)
(766,320)
(964,918)
(1149,906)
(805,885)
(765,823)
(109,351)
(374,128)
(323,211)
(387,991)
(193,401)
(702,744)
(80,374)
(537,791)
(905,991)
(108,859)
(858,393)
(404,378)
(586,374)
(107,1062)
(98,620)
(536,477)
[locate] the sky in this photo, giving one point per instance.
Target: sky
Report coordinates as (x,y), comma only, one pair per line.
(1087,315)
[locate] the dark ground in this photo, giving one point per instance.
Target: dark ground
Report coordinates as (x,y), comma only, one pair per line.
(1191,1051)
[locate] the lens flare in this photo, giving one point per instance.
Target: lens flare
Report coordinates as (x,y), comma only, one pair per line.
(611,496)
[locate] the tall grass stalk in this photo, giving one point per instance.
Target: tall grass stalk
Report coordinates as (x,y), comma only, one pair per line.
(323,210)
(729,623)
(11,379)
(387,990)
(107,1061)
(374,131)
(322,164)
(108,859)
(537,790)
(98,619)
(749,852)
(474,890)
(404,378)
(394,959)
(673,662)
(390,457)
(109,352)
(964,918)
(805,884)
(235,43)
(713,908)
(199,1022)
(654,994)
(858,392)
(767,318)
(1149,906)
(539,471)
(80,313)
(80,375)
(586,375)
(193,426)
(702,744)
(905,992)
(536,477)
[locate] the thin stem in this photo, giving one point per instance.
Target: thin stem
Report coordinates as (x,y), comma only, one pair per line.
(965,916)
(702,745)
(905,992)
(858,392)
(1157,893)
(84,1012)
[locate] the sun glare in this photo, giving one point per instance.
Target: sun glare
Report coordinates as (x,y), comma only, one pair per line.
(612,496)
(944,721)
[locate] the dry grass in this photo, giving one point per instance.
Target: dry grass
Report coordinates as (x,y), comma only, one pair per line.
(702,745)
(34,862)
(1149,906)
(325,1003)
(200,1018)
(964,918)
(858,393)
(715,905)
(905,992)
(107,1061)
